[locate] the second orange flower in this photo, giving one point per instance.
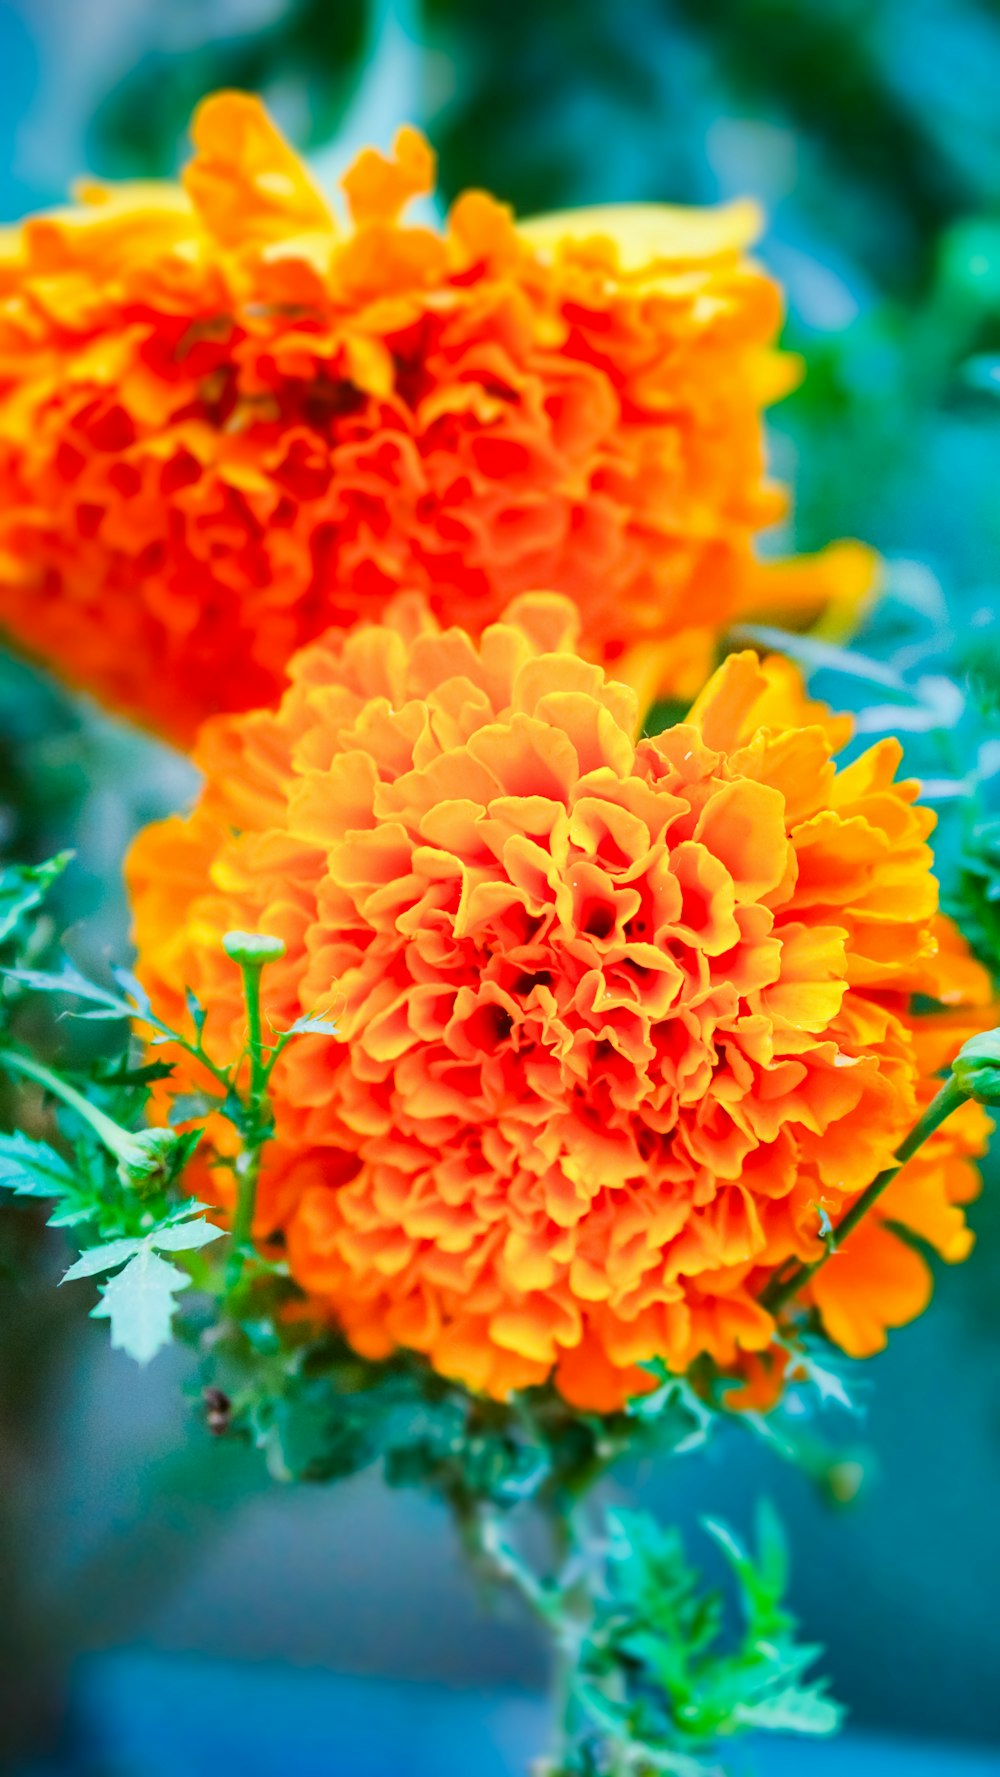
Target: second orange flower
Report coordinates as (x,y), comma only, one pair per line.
(619,1024)
(229,421)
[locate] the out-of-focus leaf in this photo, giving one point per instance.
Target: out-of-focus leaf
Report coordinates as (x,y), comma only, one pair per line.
(23,887)
(139,1302)
(673,1686)
(31,1168)
(71,982)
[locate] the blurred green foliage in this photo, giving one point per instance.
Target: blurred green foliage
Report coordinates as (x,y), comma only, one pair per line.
(312,45)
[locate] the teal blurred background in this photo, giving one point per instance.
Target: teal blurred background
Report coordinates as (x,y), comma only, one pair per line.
(870,130)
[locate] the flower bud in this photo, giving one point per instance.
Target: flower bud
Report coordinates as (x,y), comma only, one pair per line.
(146,1157)
(252,949)
(976,1067)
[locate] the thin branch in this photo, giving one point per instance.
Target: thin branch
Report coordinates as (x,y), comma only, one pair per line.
(951,1096)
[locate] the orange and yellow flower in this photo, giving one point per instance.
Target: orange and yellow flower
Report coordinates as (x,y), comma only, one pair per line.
(229,421)
(619,1022)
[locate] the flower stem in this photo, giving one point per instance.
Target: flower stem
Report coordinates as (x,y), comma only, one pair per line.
(118,1140)
(948,1099)
(251,954)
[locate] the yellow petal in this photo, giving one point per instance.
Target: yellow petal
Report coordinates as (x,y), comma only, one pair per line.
(645,236)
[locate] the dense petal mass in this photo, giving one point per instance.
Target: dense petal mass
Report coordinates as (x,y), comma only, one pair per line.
(229,422)
(620,1022)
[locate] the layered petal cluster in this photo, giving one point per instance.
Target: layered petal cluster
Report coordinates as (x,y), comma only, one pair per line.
(229,421)
(620,1022)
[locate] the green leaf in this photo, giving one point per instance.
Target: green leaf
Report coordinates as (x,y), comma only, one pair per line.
(792,1711)
(196,1011)
(677,1689)
(190,1105)
(121,1073)
(183,1212)
(772,1551)
(103,1258)
(310,1026)
(679,1415)
(728,1542)
(72,1217)
(132,986)
(185,1237)
(70,981)
(139,1302)
(829,1385)
(23,887)
(31,1168)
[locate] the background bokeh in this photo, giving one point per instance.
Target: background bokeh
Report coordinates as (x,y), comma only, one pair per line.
(870,131)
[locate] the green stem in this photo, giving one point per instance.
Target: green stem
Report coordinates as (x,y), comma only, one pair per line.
(948,1099)
(506,1565)
(118,1140)
(258,1118)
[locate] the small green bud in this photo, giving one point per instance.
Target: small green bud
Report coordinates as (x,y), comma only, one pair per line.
(976,1067)
(252,949)
(147,1157)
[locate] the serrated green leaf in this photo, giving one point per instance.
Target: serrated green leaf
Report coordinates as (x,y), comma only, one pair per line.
(792,1711)
(655,1627)
(103,1258)
(183,1212)
(120,1073)
(70,981)
(310,1026)
(71,1218)
(185,1237)
(23,887)
(139,1302)
(32,1168)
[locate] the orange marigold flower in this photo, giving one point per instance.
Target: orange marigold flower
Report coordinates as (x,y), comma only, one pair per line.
(229,421)
(617,1020)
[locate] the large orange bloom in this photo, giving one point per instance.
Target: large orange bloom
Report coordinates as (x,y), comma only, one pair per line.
(228,422)
(617,1020)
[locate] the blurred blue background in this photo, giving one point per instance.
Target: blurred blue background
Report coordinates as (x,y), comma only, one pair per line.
(146,1575)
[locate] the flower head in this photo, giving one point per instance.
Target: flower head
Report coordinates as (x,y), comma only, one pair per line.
(229,421)
(621,1025)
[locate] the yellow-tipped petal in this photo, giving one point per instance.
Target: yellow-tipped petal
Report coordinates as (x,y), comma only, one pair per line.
(646,236)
